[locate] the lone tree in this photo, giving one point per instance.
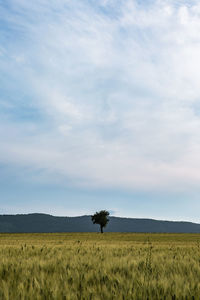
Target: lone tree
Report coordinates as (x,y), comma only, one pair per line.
(101,218)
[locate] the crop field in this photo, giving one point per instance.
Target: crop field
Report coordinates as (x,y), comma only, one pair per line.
(99,266)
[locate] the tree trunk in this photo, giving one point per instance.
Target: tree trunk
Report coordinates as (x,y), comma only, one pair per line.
(101,229)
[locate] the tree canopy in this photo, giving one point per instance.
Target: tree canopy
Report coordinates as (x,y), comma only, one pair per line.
(101,218)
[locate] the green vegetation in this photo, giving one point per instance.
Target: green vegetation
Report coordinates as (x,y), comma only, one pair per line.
(95,266)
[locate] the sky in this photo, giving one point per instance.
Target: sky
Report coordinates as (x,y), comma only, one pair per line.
(100,107)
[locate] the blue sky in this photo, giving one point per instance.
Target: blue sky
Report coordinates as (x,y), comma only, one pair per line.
(100,107)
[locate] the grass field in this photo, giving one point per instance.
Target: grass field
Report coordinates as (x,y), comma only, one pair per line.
(99,266)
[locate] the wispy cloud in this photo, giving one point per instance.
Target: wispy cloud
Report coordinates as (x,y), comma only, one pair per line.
(105,94)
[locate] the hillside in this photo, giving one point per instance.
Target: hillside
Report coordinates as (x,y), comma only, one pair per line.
(47,223)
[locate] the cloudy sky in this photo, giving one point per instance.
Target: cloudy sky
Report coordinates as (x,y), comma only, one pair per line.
(100,107)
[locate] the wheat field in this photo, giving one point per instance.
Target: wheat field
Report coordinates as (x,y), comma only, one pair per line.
(99,266)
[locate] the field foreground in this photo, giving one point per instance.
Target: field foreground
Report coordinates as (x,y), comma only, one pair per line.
(99,266)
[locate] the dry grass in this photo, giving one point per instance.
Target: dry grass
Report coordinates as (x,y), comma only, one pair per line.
(95,266)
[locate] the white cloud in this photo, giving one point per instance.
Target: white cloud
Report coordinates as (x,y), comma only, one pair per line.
(118,92)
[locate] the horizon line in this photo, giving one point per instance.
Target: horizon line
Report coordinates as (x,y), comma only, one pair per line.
(77,216)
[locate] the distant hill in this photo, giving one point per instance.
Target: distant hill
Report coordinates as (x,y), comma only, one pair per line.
(48,223)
